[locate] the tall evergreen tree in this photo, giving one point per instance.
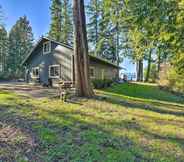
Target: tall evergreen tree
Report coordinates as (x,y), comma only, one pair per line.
(20,43)
(104,30)
(55,26)
(101,33)
(93,12)
(3,43)
(113,8)
(61,28)
(66,22)
(3,49)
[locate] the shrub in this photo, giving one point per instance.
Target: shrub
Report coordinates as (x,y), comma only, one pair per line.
(11,76)
(99,83)
(5,76)
(176,81)
(172,80)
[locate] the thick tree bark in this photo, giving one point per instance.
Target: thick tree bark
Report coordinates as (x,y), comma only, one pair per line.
(117,48)
(149,67)
(158,64)
(139,69)
(83,84)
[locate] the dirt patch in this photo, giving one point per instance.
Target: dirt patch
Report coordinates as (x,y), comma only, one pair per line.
(25,89)
(15,142)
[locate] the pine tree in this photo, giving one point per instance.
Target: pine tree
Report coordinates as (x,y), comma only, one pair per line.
(55,26)
(20,43)
(61,28)
(66,22)
(106,46)
(3,49)
(101,31)
(93,11)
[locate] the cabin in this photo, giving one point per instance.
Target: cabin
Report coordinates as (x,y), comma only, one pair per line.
(50,62)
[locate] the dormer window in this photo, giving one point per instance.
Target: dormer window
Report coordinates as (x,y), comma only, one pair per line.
(46,47)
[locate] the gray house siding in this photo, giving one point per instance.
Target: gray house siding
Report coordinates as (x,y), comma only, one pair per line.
(62,56)
(102,70)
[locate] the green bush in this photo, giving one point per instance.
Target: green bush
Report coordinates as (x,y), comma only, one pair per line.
(11,76)
(99,83)
(172,80)
(5,76)
(175,81)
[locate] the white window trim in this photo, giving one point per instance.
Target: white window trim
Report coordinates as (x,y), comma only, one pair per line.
(54,77)
(92,67)
(48,42)
(33,76)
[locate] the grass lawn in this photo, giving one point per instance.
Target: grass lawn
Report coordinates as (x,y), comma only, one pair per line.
(134,123)
(143,92)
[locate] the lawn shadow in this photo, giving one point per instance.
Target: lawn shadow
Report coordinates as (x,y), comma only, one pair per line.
(74,131)
(60,141)
(164,108)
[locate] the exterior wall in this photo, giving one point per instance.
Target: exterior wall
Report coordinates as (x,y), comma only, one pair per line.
(102,70)
(38,59)
(60,57)
(63,56)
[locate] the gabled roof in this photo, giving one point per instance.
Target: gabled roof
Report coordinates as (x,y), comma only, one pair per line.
(70,47)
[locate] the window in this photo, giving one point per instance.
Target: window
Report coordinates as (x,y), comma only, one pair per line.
(35,72)
(54,71)
(92,72)
(46,47)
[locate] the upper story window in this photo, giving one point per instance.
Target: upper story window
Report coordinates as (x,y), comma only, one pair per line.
(35,72)
(46,47)
(92,72)
(54,71)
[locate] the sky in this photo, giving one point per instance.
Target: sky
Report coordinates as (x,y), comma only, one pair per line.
(38,13)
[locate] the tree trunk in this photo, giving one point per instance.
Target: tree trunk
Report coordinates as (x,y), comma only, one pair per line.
(158,64)
(83,84)
(139,69)
(149,67)
(117,48)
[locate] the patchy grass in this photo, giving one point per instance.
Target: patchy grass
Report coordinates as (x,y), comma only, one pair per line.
(125,127)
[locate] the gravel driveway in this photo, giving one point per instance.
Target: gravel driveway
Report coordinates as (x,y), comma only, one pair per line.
(25,89)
